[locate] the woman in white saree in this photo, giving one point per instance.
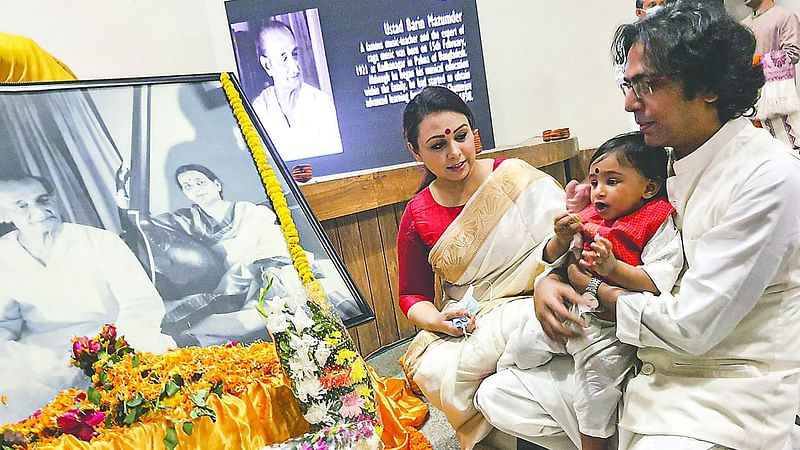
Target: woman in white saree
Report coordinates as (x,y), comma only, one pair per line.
(480,224)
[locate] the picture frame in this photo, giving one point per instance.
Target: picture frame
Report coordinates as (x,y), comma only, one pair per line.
(369,68)
(154,184)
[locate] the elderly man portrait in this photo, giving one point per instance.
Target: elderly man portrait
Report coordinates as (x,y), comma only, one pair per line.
(299,118)
(61,280)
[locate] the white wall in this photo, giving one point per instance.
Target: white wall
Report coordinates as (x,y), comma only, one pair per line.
(547,63)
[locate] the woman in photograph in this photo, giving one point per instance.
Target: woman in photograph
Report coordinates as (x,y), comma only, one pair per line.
(233,248)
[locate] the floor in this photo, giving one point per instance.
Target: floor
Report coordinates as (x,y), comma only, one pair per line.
(436,428)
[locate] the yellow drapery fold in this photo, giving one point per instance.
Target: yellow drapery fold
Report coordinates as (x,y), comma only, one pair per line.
(22,60)
(264,415)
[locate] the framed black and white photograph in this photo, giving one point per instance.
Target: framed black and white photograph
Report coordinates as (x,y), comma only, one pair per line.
(287,78)
(370,57)
(136,202)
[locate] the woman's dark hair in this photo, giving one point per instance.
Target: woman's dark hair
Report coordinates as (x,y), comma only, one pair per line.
(197,168)
(630,148)
(432,99)
(700,44)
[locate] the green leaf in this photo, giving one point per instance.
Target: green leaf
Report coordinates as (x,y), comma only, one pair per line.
(135,361)
(217,389)
(171,439)
(135,401)
(130,418)
(188,427)
(104,379)
(199,397)
(93,395)
(171,388)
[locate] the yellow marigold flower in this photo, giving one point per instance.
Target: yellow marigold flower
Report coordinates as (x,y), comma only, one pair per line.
(344,355)
(358,372)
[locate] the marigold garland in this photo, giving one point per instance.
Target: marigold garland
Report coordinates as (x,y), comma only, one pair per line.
(274,192)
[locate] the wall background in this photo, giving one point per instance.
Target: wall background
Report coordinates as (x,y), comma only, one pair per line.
(547,63)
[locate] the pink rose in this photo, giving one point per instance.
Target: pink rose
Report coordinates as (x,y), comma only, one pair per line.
(80,424)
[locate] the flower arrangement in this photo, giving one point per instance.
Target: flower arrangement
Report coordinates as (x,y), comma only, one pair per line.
(130,387)
(348,436)
(328,376)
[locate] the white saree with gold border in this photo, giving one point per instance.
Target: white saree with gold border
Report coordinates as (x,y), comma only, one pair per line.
(495,245)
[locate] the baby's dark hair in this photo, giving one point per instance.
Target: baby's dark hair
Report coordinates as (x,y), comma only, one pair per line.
(630,148)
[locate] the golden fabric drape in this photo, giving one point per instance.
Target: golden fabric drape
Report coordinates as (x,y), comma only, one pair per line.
(401,412)
(264,415)
(22,60)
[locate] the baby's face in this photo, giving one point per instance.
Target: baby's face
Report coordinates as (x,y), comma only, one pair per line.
(617,188)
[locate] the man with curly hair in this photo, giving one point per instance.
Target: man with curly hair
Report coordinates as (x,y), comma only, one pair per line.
(719,364)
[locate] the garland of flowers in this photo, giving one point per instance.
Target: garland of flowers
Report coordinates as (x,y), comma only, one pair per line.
(274,192)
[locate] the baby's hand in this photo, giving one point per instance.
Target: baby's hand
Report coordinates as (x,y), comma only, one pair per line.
(578,196)
(565,225)
(600,259)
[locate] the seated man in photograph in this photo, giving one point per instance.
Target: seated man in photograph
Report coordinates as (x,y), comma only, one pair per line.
(299,118)
(61,280)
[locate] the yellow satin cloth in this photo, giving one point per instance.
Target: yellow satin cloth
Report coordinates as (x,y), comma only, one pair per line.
(264,415)
(22,60)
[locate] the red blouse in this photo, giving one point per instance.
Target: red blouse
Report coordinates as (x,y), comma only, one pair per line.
(423,223)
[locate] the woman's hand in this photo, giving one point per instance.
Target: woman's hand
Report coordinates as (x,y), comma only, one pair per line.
(425,315)
(600,259)
(446,322)
(550,299)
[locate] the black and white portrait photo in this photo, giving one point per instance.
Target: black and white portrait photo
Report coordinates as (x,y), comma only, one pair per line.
(137,204)
(289,84)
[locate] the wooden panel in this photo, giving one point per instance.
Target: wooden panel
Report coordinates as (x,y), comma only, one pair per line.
(333,196)
(332,231)
(579,166)
(556,171)
(353,257)
(380,291)
(388,225)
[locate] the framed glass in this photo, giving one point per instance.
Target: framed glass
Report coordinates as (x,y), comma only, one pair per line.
(159,221)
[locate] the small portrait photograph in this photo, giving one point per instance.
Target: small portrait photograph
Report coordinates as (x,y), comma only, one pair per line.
(286,78)
(139,205)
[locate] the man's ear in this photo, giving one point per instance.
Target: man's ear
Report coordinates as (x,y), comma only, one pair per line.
(412,151)
(653,186)
(640,12)
(264,61)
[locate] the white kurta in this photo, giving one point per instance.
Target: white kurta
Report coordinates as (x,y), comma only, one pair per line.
(92,278)
(720,357)
(310,129)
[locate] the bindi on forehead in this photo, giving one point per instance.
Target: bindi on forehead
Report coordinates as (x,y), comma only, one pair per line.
(447,131)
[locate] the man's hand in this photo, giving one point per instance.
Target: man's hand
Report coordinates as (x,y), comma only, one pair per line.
(550,300)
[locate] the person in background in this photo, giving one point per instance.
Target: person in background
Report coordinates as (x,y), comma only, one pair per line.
(719,349)
(479,223)
(299,118)
(644,8)
(777,32)
(62,280)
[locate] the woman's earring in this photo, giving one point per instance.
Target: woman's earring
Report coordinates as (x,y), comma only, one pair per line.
(477,138)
